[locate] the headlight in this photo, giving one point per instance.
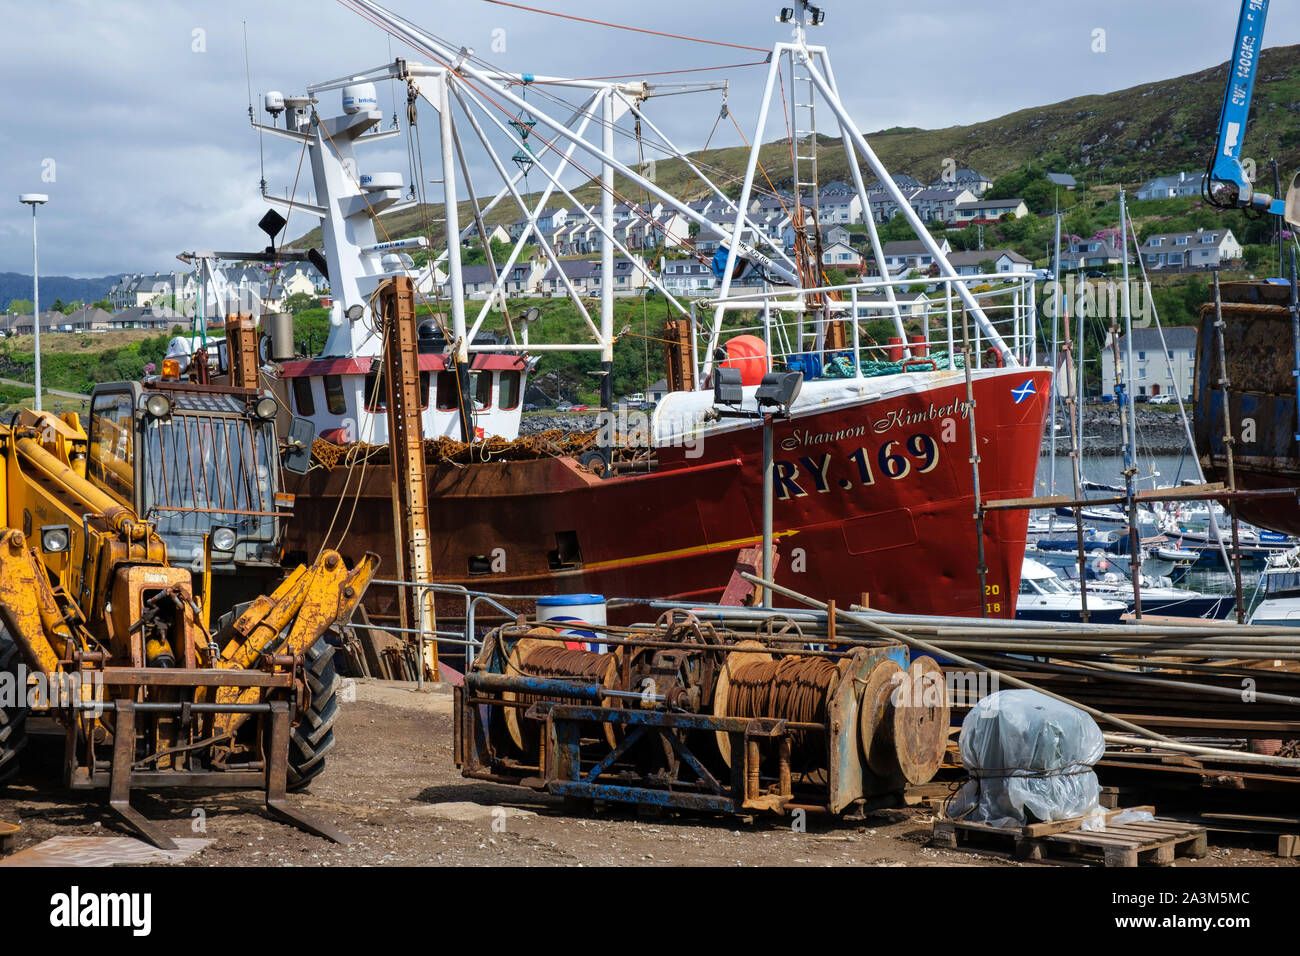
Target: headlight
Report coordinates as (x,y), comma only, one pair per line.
(223,539)
(54,539)
(158,405)
(266,408)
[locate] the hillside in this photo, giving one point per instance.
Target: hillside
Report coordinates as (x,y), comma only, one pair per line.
(1127,136)
(15,285)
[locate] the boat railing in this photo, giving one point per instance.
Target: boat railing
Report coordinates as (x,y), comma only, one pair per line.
(793,324)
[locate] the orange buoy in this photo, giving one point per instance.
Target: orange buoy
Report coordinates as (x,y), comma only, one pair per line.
(749,354)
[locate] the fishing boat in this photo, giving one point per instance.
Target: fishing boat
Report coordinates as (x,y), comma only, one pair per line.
(1261,350)
(875,489)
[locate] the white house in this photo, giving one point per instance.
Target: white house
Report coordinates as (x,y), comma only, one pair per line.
(988,210)
(1202,249)
(901,257)
(838,202)
(1150,374)
(585,274)
(1170,187)
(940,203)
(686,277)
(964,178)
(841,255)
(911,305)
(1004,260)
(548,220)
(1083,253)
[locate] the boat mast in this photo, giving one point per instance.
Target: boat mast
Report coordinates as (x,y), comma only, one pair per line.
(1056,320)
(1130,437)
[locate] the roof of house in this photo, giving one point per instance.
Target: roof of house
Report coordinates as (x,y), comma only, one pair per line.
(587,268)
(1103,248)
(1174,179)
(976,256)
(1216,235)
(689,267)
(938,193)
(899,296)
(963,175)
(901,180)
(906,247)
(1175,337)
(1011,203)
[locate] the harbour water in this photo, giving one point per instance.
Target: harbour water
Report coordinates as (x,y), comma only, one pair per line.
(1153,471)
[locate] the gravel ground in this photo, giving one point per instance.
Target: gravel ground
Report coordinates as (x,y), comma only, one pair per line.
(392,787)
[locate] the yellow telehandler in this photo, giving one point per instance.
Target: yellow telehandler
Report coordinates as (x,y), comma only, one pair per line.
(143,608)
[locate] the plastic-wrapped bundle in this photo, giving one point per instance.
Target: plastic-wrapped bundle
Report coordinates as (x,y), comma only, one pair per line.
(1029,756)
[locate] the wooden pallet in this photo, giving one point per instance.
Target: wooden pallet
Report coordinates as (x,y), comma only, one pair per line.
(1155,842)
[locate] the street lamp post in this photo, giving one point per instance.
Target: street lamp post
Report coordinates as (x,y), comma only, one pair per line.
(774,396)
(34,200)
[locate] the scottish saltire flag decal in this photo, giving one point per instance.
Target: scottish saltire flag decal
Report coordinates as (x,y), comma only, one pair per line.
(1021,392)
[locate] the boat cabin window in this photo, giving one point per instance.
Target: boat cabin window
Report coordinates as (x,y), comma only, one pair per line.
(482,388)
(302,397)
(111,463)
(1027,586)
(508,391)
(447,391)
(377,392)
(335,400)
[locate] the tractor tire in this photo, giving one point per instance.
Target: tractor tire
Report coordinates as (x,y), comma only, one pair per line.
(313,737)
(13,713)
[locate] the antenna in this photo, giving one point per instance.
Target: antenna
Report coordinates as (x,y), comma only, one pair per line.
(248,78)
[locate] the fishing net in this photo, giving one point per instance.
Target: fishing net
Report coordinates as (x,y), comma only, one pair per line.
(840,365)
(553,443)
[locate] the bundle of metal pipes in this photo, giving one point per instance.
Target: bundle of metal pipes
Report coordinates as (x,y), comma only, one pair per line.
(1219,696)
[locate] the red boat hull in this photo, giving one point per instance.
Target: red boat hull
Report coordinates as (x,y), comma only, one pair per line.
(872,499)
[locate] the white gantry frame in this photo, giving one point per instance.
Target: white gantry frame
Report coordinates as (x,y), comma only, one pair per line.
(467,94)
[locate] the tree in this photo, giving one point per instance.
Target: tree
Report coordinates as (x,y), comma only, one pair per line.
(1031,184)
(20,306)
(301,301)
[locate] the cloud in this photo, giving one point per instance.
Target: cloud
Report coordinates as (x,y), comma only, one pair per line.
(141,107)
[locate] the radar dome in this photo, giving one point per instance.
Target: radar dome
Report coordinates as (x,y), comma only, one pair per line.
(360,96)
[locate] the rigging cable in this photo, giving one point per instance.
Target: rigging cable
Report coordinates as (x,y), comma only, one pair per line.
(619,26)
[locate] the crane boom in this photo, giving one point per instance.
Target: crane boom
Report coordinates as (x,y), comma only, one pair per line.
(1227,183)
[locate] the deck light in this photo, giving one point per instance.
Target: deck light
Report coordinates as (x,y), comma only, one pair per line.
(158,405)
(54,539)
(727,389)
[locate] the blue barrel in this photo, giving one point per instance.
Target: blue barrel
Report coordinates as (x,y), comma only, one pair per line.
(573,615)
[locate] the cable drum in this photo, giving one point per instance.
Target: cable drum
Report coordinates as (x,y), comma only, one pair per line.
(542,654)
(752,683)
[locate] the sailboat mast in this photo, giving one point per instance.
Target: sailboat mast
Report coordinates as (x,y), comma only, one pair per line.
(1130,450)
(1056,368)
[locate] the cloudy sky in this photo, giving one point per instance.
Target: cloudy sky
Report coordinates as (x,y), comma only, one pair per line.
(132,115)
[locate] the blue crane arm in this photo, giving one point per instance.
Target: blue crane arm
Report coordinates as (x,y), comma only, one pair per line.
(1228,184)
